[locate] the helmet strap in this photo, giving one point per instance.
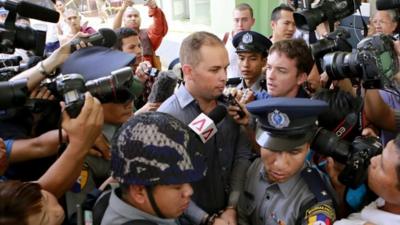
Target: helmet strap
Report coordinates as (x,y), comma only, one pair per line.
(149,190)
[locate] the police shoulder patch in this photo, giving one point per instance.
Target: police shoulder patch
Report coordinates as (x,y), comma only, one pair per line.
(320,214)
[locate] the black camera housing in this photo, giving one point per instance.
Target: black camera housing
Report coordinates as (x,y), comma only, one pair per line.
(326,10)
(374,62)
(355,156)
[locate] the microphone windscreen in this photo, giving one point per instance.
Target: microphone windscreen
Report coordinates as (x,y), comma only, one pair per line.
(109,37)
(163,87)
(38,12)
(217,114)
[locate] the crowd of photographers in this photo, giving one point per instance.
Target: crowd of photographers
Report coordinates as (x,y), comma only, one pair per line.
(296,128)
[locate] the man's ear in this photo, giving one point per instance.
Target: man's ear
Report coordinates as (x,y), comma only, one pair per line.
(138,193)
(301,78)
(187,71)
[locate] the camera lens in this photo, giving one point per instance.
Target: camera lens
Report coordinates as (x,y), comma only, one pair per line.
(340,65)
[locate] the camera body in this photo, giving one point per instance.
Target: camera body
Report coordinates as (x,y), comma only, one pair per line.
(355,156)
(374,61)
(70,88)
(325,10)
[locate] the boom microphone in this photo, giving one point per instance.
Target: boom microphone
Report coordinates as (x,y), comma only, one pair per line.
(387,4)
(104,37)
(204,126)
(163,87)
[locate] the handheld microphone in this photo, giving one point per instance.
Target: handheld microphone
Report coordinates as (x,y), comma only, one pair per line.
(387,4)
(104,37)
(163,87)
(205,126)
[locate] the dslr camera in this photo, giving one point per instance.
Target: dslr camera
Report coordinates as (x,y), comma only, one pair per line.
(71,88)
(355,155)
(374,62)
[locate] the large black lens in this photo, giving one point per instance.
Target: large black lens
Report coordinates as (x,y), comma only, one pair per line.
(309,19)
(340,65)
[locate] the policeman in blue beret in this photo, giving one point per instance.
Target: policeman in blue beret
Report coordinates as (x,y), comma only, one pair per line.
(281,187)
(252,49)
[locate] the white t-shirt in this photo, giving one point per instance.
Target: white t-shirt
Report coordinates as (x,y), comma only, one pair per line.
(233,68)
(372,214)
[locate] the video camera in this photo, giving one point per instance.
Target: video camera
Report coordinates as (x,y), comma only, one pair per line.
(334,41)
(325,10)
(387,4)
(14,36)
(71,88)
(374,62)
(355,156)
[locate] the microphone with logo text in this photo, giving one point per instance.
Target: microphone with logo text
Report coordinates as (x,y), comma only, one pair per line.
(104,37)
(205,126)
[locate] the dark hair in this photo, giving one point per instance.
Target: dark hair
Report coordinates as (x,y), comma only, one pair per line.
(396,142)
(190,48)
(276,12)
(122,33)
(19,200)
(341,103)
(295,49)
(243,7)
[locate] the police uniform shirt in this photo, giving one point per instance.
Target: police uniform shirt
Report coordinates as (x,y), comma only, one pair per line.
(119,212)
(264,203)
(256,87)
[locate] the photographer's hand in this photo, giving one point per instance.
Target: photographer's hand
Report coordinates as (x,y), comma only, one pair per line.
(233,111)
(151,4)
(141,71)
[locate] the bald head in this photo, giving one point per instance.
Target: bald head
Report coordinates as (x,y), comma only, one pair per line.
(132,18)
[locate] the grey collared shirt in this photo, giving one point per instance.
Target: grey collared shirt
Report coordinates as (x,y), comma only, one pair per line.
(256,87)
(268,203)
(227,154)
(119,212)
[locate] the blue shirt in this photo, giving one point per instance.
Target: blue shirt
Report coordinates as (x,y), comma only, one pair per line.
(227,153)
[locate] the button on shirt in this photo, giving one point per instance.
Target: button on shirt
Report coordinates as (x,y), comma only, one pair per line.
(268,203)
(227,156)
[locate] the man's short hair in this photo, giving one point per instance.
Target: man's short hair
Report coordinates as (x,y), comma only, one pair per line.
(70,11)
(243,7)
(190,48)
(397,145)
(123,32)
(295,49)
(276,12)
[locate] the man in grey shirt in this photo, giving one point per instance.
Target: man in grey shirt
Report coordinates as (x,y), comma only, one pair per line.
(204,60)
(281,187)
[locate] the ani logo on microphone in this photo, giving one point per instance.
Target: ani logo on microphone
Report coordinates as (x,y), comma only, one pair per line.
(204,127)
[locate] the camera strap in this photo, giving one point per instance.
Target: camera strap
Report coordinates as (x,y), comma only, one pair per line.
(350,121)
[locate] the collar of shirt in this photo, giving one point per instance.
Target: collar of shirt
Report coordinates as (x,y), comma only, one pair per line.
(285,187)
(184,97)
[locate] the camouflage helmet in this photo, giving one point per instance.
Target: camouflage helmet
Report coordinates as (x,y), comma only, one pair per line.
(156,148)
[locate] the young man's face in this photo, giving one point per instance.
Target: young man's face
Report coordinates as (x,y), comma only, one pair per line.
(383,23)
(132,45)
(117,113)
(382,175)
(251,64)
(60,7)
(242,20)
(73,20)
(283,79)
(281,166)
(284,27)
(207,79)
(173,200)
(132,18)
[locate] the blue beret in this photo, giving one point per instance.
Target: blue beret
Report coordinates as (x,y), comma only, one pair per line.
(285,123)
(251,41)
(95,62)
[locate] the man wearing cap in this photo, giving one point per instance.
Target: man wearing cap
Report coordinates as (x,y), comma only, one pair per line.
(204,60)
(155,157)
(281,187)
(252,50)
